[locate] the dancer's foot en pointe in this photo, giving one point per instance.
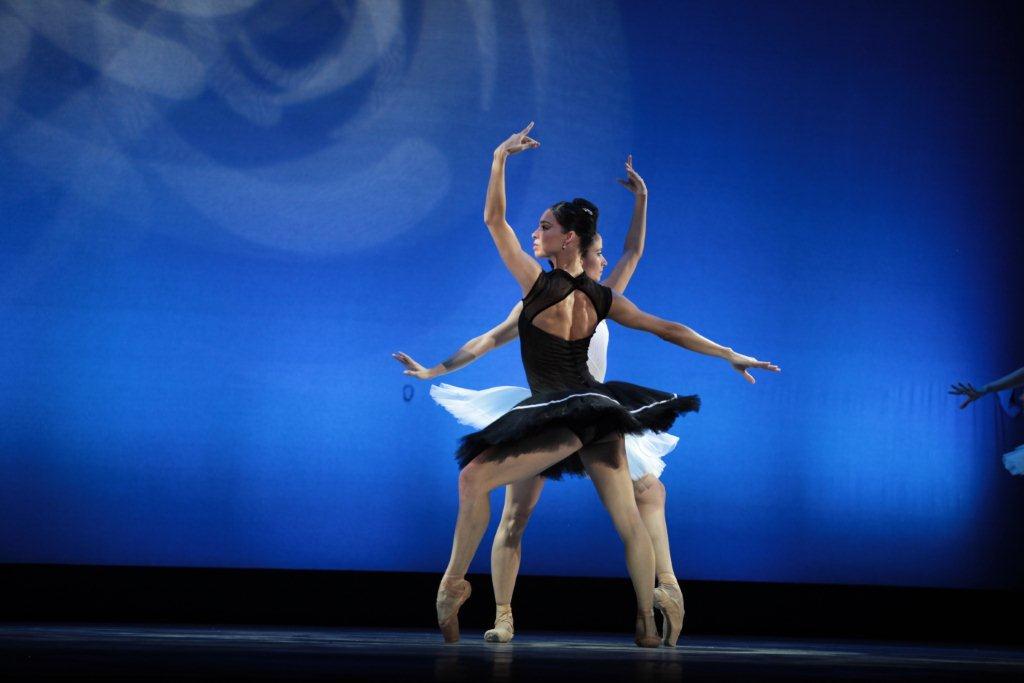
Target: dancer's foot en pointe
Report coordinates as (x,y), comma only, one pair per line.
(503,629)
(453,592)
(646,630)
(668,598)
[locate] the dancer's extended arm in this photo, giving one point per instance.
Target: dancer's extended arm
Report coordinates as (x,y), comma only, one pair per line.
(522,266)
(634,247)
(625,312)
(1011,381)
(469,352)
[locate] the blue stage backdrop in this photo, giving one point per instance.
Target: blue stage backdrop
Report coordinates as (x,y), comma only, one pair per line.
(218,219)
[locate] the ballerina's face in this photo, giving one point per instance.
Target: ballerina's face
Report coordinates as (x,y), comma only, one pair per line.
(548,238)
(594,261)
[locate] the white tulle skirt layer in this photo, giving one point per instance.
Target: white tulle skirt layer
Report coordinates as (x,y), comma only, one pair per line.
(1014,460)
(477,409)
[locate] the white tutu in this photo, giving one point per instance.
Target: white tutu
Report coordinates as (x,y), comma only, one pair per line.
(1014,460)
(644,452)
(477,408)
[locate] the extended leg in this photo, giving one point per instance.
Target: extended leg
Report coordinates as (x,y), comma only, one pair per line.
(606,464)
(668,597)
(520,499)
(485,473)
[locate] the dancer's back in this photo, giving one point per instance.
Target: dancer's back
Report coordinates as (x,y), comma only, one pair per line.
(560,314)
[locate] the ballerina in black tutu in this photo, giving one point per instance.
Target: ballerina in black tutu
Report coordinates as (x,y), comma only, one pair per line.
(571,423)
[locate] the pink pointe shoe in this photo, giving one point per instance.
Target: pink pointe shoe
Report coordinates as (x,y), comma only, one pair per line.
(450,597)
(668,598)
(646,630)
(503,630)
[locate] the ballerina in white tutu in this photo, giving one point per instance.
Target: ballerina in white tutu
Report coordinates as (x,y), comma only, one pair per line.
(644,452)
(1012,402)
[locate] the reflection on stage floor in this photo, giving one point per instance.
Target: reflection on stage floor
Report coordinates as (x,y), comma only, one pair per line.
(300,653)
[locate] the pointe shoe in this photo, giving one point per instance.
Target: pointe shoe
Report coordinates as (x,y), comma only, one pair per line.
(668,598)
(503,630)
(450,597)
(646,631)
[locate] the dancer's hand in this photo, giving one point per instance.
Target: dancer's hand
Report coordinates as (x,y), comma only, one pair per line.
(742,364)
(968,390)
(517,142)
(413,368)
(633,182)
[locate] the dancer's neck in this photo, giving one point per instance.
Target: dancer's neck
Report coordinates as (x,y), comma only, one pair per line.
(570,263)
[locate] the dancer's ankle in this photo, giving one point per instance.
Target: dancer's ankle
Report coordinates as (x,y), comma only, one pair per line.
(452,579)
(667,578)
(503,630)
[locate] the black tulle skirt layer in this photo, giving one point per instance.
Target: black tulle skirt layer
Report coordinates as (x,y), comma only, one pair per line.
(590,413)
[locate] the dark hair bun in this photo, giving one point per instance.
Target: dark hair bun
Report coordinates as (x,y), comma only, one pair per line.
(579,216)
(589,212)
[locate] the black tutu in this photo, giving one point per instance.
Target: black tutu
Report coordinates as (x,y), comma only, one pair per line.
(590,413)
(565,394)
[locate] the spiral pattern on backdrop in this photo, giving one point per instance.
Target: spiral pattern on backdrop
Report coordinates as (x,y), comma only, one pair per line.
(304,129)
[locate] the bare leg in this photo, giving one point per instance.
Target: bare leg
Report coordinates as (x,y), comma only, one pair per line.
(650,500)
(476,481)
(668,597)
(520,499)
(606,464)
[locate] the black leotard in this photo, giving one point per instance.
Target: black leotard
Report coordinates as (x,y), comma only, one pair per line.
(565,394)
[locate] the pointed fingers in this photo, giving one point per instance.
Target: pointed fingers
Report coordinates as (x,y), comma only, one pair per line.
(528,128)
(403,359)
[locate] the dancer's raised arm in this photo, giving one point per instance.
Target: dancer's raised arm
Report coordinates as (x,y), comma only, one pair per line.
(469,352)
(522,266)
(634,247)
(625,312)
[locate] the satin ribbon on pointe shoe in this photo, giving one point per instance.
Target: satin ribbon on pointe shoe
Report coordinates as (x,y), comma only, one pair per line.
(503,630)
(668,598)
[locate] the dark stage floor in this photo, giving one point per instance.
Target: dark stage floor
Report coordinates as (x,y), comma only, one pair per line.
(192,652)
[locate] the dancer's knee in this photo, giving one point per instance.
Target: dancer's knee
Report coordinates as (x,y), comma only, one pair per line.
(472,483)
(649,492)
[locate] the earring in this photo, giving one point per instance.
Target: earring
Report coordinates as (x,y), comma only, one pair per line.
(563,246)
